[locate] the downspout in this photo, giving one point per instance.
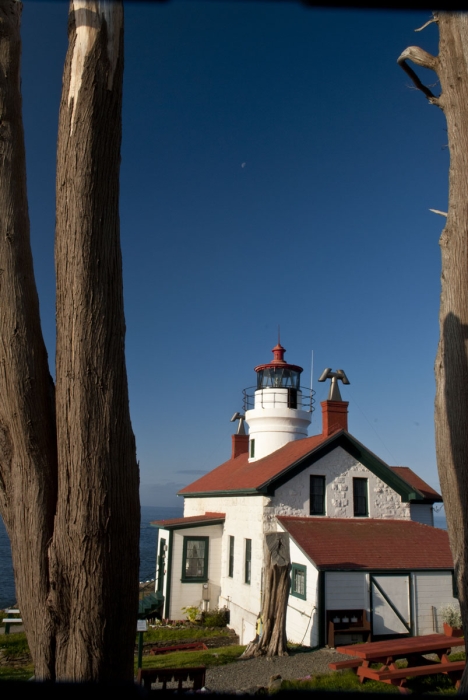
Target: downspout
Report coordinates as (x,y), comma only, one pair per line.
(169,576)
(321,608)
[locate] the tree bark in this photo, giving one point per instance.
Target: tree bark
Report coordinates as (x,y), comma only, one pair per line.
(68,471)
(273,641)
(28,463)
(95,550)
(451,368)
(451,407)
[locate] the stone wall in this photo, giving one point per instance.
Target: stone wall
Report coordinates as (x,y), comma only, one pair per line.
(339,468)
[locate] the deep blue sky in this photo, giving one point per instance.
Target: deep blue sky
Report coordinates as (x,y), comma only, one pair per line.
(277,168)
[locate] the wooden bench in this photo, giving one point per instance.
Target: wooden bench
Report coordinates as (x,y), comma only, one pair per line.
(392,675)
(189,646)
(347,622)
(196,674)
(8,621)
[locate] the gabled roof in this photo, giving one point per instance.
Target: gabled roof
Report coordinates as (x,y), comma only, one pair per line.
(263,476)
(369,544)
(191,521)
(240,475)
(427,491)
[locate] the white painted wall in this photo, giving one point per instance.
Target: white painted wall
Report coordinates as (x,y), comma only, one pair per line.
(431,588)
(346,589)
(302,615)
(188,594)
(272,424)
(244,520)
(339,468)
(422,513)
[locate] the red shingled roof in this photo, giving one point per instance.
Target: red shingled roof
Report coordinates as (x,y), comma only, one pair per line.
(238,474)
(205,519)
(369,544)
(408,475)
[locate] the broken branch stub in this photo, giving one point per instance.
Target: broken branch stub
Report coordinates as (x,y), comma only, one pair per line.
(425,60)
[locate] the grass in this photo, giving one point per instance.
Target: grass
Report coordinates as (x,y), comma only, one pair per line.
(337,682)
(182,659)
(12,673)
(14,645)
(181,634)
(348,681)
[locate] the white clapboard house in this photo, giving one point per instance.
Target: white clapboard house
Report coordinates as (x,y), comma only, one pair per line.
(364,550)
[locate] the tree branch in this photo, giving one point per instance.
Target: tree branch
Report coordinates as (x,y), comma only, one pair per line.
(430,21)
(425,60)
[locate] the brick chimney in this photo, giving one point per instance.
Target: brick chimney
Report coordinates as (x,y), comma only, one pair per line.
(334,416)
(240,444)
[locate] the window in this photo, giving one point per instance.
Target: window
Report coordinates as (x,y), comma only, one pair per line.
(161,564)
(317,495)
(360,498)
(231,557)
(454,585)
(298,581)
(252,448)
(292,398)
(195,559)
(248,560)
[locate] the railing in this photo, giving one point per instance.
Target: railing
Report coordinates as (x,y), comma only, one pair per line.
(283,397)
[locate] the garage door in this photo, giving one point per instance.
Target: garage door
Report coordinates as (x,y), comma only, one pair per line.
(391,605)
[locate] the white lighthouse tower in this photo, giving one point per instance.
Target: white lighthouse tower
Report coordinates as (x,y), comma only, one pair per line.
(281,410)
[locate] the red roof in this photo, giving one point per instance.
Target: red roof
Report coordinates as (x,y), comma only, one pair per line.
(408,475)
(239,474)
(194,520)
(369,544)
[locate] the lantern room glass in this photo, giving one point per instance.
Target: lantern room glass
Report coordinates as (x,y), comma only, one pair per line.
(278,378)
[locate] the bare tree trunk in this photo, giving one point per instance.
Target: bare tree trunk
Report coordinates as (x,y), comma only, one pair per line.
(95,547)
(28,462)
(273,641)
(451,369)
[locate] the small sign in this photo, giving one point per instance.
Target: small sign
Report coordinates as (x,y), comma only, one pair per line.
(142,626)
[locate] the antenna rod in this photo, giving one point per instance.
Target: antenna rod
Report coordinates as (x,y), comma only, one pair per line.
(311,377)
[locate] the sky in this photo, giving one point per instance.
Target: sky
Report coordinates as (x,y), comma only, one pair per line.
(277,170)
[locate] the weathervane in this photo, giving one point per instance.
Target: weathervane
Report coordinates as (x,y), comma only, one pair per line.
(334,393)
(241,418)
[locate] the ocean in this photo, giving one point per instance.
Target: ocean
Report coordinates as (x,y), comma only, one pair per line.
(148,549)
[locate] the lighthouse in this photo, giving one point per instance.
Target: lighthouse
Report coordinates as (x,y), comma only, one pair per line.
(279,410)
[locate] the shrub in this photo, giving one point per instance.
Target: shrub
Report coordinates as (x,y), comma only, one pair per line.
(451,615)
(219,617)
(192,612)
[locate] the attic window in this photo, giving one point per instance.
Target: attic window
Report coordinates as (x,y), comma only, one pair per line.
(317,495)
(252,448)
(361,509)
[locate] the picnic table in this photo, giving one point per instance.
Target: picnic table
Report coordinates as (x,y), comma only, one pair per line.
(9,620)
(413,649)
